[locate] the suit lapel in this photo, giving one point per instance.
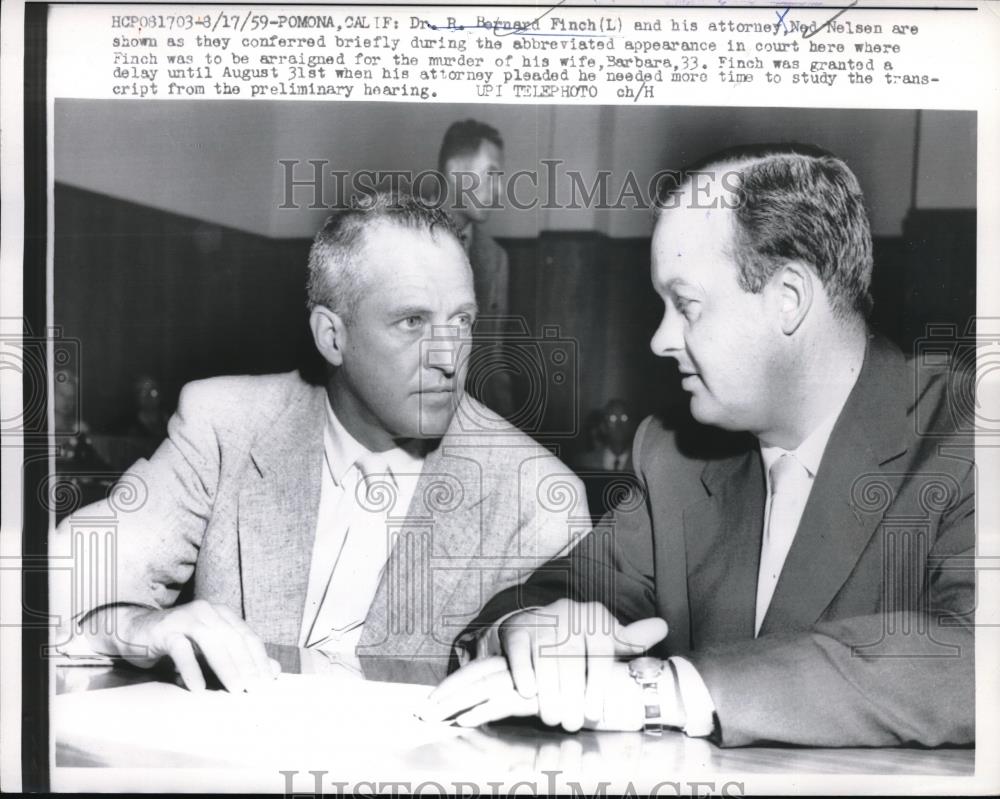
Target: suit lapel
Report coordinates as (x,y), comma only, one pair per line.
(835,527)
(277,518)
(435,538)
(722,537)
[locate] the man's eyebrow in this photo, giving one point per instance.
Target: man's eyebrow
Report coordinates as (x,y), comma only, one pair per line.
(403,311)
(677,282)
(467,307)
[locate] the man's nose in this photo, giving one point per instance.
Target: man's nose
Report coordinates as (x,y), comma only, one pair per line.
(669,336)
(444,350)
(498,187)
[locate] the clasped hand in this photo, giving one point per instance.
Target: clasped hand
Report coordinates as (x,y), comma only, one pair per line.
(561,663)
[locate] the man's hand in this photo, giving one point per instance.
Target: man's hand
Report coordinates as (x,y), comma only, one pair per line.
(559,660)
(230,648)
(563,654)
(489,681)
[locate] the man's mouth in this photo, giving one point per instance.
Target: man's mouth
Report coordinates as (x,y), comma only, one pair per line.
(437,395)
(688,380)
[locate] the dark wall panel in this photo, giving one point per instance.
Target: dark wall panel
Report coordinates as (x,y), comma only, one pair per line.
(148,292)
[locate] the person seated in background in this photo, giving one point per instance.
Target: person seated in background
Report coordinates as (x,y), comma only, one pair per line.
(67,413)
(351,517)
(615,431)
(603,466)
(815,586)
(81,471)
(138,432)
(148,418)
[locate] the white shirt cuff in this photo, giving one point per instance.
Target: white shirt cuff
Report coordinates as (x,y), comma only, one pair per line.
(698,704)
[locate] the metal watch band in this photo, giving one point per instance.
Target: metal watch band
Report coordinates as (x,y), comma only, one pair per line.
(646,672)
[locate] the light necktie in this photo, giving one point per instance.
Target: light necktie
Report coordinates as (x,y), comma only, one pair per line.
(790,484)
(374,480)
(362,556)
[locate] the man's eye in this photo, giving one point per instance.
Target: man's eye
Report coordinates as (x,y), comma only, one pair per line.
(685,306)
(411,322)
(464,321)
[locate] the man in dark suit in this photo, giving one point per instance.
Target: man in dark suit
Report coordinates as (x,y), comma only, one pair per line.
(471,164)
(808,577)
(612,452)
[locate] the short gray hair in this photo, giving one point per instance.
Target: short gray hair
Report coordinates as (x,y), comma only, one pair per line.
(335,277)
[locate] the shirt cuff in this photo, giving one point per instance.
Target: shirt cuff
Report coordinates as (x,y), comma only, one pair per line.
(698,705)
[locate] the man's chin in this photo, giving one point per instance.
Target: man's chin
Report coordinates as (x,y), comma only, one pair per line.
(712,415)
(434,422)
(475,214)
(705,412)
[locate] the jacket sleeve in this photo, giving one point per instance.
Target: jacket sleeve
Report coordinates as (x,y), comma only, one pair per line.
(139,546)
(876,680)
(611,564)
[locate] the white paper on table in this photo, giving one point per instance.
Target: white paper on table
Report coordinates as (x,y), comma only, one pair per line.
(293,720)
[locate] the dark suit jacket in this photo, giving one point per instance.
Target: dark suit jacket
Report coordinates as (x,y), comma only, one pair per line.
(868,640)
(490,272)
(491,280)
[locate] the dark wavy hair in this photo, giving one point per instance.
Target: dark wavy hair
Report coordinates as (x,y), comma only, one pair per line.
(465,138)
(793,202)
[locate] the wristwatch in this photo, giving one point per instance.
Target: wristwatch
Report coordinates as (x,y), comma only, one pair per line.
(646,672)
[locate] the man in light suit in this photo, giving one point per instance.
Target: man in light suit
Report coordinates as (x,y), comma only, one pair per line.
(368,518)
(804,575)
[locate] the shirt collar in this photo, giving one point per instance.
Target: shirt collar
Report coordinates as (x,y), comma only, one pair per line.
(809,453)
(343,450)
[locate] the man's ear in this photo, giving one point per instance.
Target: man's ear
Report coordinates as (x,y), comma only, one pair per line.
(796,286)
(448,172)
(329,334)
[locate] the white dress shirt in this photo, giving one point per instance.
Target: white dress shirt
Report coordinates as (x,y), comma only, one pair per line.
(798,486)
(613,462)
(352,539)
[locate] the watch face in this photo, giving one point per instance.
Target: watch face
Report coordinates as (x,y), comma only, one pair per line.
(645,668)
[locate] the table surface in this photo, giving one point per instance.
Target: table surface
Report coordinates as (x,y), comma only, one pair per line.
(500,750)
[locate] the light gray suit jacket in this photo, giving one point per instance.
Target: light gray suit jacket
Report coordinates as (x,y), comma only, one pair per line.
(228,505)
